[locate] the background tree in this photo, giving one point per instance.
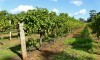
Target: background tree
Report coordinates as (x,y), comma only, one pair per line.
(81,19)
(95,25)
(92,15)
(4,23)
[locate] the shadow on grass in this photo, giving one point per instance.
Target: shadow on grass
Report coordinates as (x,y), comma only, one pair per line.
(72,55)
(7,37)
(30,45)
(67,54)
(50,55)
(47,54)
(78,49)
(64,56)
(16,50)
(83,44)
(83,41)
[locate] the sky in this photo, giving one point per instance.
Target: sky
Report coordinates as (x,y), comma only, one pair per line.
(76,8)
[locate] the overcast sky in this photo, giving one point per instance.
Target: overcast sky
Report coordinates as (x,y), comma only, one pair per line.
(76,8)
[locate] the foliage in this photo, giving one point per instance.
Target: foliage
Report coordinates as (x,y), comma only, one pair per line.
(96,48)
(31,43)
(92,15)
(95,25)
(4,23)
(40,21)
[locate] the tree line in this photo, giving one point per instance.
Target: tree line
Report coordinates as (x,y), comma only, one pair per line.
(94,22)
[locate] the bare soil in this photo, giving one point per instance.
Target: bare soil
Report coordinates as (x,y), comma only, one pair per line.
(48,50)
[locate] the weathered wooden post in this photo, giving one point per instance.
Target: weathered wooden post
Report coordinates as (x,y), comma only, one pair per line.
(10,30)
(22,40)
(10,36)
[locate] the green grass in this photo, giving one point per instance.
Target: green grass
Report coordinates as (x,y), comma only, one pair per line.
(96,48)
(11,48)
(5,54)
(69,41)
(76,50)
(80,43)
(81,47)
(5,51)
(73,54)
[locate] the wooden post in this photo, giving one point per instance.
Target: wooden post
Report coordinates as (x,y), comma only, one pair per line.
(10,31)
(23,44)
(10,35)
(41,37)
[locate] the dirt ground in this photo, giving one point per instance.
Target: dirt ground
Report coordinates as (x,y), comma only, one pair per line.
(48,50)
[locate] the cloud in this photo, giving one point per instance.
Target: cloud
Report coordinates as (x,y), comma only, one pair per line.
(81,12)
(21,8)
(77,2)
(55,10)
(70,14)
(55,0)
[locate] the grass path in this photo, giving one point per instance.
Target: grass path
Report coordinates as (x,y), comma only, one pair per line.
(47,51)
(5,51)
